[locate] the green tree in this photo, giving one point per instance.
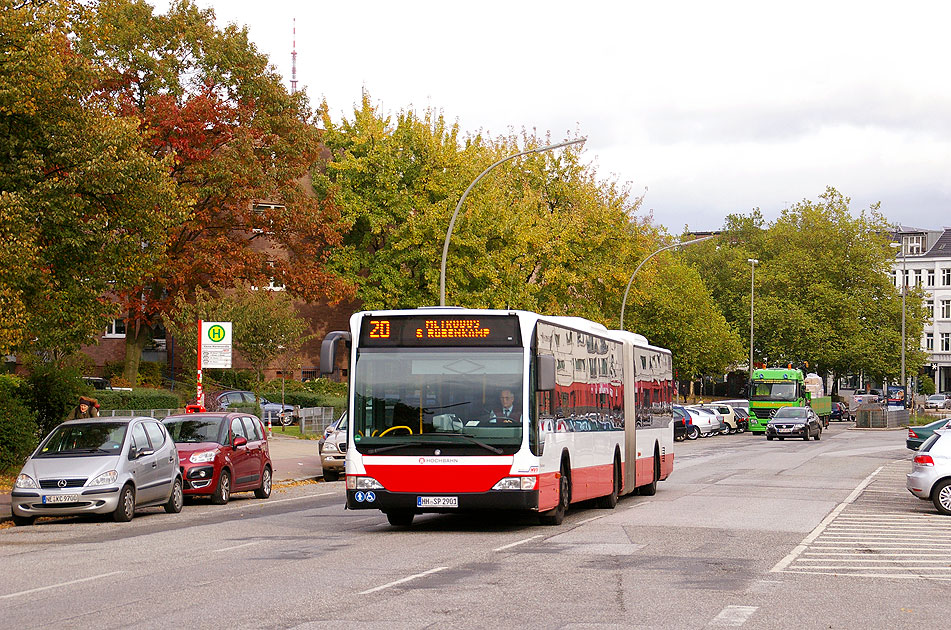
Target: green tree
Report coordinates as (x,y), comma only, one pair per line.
(85,209)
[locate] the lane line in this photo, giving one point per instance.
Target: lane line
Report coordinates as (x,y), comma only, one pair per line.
(403,581)
(733,616)
(593,518)
(785,562)
(515,544)
(248,544)
(61,584)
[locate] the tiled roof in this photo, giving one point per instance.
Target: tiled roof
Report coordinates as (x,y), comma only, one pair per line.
(941,247)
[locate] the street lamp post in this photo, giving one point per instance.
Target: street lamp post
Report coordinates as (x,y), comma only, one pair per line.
(752,262)
(904,288)
(452,221)
(678,244)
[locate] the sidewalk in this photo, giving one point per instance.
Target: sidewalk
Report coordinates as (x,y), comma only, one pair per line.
(291,458)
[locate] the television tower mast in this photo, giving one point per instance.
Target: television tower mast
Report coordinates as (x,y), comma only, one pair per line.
(294,60)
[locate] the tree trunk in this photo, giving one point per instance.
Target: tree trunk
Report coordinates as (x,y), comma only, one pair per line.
(135,338)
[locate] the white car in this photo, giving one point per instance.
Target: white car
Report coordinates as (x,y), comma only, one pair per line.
(938,401)
(714,422)
(930,477)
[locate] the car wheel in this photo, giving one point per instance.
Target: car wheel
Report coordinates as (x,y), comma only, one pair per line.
(331,475)
(400,518)
(693,432)
(287,419)
(769,437)
(818,434)
(265,490)
(557,515)
(223,490)
(941,496)
(126,508)
(781,439)
(23,521)
(176,499)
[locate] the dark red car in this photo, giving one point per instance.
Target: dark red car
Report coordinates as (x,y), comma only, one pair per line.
(222,453)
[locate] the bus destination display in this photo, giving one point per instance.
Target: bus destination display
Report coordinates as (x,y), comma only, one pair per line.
(456,330)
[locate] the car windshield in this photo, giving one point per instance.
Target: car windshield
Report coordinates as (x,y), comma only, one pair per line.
(792,412)
(434,396)
(93,438)
(185,430)
(785,390)
(937,397)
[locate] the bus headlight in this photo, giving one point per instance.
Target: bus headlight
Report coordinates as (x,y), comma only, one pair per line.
(363,483)
(516,483)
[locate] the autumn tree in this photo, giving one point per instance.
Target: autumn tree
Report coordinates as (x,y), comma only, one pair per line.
(84,207)
(239,147)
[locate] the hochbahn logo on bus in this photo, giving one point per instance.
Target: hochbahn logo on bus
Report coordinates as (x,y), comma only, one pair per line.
(438,460)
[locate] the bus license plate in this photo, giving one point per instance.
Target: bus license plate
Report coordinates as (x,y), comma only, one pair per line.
(444,502)
(60,498)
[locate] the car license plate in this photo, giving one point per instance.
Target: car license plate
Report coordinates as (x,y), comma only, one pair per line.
(61,498)
(446,502)
(784,430)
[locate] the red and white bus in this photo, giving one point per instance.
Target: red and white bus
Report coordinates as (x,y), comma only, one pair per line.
(431,429)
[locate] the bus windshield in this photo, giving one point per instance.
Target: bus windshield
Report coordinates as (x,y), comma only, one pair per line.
(421,398)
(774,391)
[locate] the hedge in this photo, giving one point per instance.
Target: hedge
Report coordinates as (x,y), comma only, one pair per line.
(144,398)
(307,399)
(19,433)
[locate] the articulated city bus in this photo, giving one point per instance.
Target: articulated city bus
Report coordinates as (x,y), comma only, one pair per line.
(457,409)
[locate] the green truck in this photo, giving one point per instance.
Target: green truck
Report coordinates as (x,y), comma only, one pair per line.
(771,389)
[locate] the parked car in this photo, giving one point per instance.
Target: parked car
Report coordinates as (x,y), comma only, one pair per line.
(276,411)
(222,453)
(99,466)
(736,403)
(840,412)
(680,424)
(918,435)
(709,423)
(97,382)
(742,417)
(792,422)
(333,450)
(691,425)
(938,401)
(728,415)
(930,477)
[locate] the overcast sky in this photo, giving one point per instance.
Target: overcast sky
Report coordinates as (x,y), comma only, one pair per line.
(712,107)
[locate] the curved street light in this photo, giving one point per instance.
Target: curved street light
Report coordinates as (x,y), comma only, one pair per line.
(678,244)
(452,221)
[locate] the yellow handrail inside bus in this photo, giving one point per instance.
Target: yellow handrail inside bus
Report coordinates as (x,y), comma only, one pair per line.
(401,426)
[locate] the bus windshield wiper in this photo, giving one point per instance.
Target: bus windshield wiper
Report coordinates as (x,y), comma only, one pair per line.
(472,440)
(391,447)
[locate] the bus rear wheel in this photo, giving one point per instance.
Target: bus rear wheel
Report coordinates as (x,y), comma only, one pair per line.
(650,489)
(609,501)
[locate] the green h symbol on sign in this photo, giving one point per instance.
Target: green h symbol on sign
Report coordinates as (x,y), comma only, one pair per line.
(216,333)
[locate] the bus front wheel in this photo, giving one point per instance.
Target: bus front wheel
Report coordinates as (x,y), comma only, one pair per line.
(400,518)
(557,515)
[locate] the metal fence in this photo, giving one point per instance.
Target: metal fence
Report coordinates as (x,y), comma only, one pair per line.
(312,419)
(874,416)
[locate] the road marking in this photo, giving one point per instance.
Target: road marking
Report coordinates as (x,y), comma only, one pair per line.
(785,562)
(248,544)
(515,544)
(588,520)
(46,588)
(403,581)
(733,616)
(881,531)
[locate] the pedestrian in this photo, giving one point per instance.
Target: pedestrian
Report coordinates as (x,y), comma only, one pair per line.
(87,408)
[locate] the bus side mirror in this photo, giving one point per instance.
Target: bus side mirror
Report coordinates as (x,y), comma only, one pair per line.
(545,373)
(328,350)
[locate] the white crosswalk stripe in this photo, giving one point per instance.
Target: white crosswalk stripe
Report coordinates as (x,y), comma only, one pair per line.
(883,531)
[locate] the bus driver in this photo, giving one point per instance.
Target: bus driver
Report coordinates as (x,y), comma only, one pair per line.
(507,411)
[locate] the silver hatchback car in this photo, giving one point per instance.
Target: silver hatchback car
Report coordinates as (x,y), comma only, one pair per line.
(930,476)
(99,466)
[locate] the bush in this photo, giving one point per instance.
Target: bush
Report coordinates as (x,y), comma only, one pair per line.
(142,398)
(19,433)
(306,399)
(150,373)
(52,392)
(229,379)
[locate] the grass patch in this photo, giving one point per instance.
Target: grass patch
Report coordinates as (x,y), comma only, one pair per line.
(293,431)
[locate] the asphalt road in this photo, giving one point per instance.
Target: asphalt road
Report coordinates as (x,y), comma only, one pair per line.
(746,533)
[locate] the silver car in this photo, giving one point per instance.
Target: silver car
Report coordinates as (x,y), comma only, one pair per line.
(333,449)
(99,466)
(930,476)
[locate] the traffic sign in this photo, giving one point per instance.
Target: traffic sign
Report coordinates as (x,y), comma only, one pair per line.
(215,344)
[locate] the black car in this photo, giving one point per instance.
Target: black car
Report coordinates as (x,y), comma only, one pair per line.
(840,412)
(275,412)
(680,424)
(798,422)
